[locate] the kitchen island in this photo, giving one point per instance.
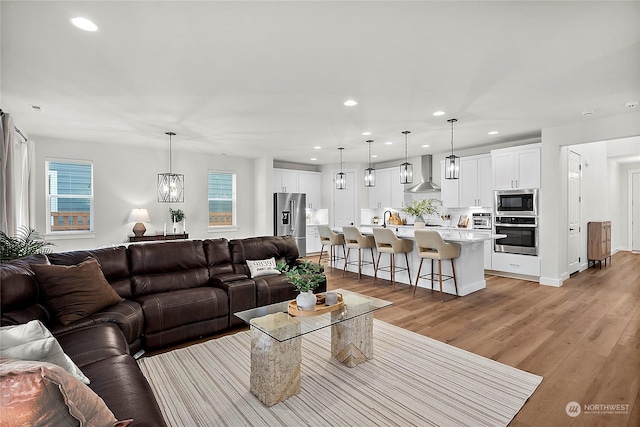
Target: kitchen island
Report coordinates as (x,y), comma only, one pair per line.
(469,266)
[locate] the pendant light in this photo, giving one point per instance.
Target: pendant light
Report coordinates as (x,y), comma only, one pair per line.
(452,162)
(406,169)
(341,177)
(170,185)
(370,173)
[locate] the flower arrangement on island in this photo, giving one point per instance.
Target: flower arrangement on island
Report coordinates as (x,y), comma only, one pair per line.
(421,208)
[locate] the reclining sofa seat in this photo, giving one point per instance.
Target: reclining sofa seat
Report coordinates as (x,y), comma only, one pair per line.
(275,287)
(170,280)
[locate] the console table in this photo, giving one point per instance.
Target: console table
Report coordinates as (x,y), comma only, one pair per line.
(154,237)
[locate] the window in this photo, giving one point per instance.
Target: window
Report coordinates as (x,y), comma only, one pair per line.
(222,199)
(69,190)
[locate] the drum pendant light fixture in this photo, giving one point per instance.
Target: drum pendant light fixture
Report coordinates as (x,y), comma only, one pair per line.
(341,177)
(452,162)
(370,173)
(406,169)
(170,185)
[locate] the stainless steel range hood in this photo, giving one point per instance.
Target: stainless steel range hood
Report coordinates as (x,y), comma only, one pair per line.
(426,184)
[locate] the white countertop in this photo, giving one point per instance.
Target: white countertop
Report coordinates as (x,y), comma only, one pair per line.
(448,234)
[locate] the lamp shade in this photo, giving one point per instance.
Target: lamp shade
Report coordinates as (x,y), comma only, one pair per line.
(139,215)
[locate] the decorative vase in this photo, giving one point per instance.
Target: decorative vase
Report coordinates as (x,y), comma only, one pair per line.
(306,300)
(418,224)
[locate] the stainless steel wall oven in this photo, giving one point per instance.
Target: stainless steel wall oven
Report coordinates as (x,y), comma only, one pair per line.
(522,235)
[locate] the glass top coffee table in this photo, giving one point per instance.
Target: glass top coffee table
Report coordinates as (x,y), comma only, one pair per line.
(276,341)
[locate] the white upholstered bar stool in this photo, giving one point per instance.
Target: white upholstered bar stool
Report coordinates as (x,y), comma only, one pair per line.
(387,242)
(356,240)
(431,246)
(332,239)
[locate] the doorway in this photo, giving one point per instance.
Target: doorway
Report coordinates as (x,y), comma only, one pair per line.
(573,208)
(635,211)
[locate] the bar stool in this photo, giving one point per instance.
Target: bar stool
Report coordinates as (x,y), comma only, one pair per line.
(431,246)
(329,237)
(355,240)
(387,242)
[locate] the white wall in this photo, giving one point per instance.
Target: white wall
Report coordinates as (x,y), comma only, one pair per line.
(125,177)
(553,242)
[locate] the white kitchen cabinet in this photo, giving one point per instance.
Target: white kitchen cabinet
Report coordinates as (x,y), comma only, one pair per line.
(397,189)
(380,195)
(310,183)
(313,239)
(475,181)
(517,167)
(516,263)
(449,190)
(285,181)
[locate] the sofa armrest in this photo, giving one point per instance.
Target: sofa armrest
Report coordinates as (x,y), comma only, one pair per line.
(221,280)
(241,292)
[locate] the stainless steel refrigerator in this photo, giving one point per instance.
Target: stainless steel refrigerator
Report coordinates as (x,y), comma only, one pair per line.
(290,218)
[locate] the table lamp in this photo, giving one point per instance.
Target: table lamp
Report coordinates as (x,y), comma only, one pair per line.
(139,216)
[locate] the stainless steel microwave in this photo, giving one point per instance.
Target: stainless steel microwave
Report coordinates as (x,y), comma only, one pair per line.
(516,202)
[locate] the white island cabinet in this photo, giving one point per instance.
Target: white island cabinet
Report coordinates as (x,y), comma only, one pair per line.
(469,266)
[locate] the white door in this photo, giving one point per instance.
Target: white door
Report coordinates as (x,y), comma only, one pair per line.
(635,212)
(344,208)
(574,212)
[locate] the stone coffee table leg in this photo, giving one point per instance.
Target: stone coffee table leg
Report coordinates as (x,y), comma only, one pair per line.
(275,365)
(352,340)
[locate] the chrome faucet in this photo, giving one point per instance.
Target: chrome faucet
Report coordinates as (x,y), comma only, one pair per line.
(384,218)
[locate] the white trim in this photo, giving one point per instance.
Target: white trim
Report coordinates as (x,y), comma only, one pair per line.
(630,174)
(222,228)
(69,235)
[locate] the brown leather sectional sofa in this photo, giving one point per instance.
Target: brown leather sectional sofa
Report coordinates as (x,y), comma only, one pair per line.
(172,291)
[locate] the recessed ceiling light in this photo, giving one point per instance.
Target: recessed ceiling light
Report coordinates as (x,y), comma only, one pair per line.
(366,133)
(350,103)
(388,143)
(373,156)
(317,147)
(439,113)
(631,104)
(36,107)
(313,159)
(588,112)
(425,146)
(493,132)
(84,24)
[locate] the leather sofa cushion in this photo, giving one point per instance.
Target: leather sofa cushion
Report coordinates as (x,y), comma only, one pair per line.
(113,262)
(255,248)
(120,383)
(166,257)
(183,333)
(166,310)
(19,292)
(127,315)
(218,256)
(146,284)
(272,289)
(93,343)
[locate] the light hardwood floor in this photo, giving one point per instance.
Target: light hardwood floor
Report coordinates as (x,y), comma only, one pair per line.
(583,338)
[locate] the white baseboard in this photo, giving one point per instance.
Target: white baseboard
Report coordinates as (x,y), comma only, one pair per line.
(548,281)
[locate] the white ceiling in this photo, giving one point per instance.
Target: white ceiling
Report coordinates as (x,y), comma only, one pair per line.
(269,78)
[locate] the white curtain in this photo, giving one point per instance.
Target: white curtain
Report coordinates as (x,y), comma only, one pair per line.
(17,195)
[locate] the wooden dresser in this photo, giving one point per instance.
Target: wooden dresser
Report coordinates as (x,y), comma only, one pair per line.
(599,242)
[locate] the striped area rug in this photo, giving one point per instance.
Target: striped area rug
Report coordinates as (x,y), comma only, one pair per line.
(411,381)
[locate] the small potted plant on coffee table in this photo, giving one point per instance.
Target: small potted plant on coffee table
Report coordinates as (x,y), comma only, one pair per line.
(305,277)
